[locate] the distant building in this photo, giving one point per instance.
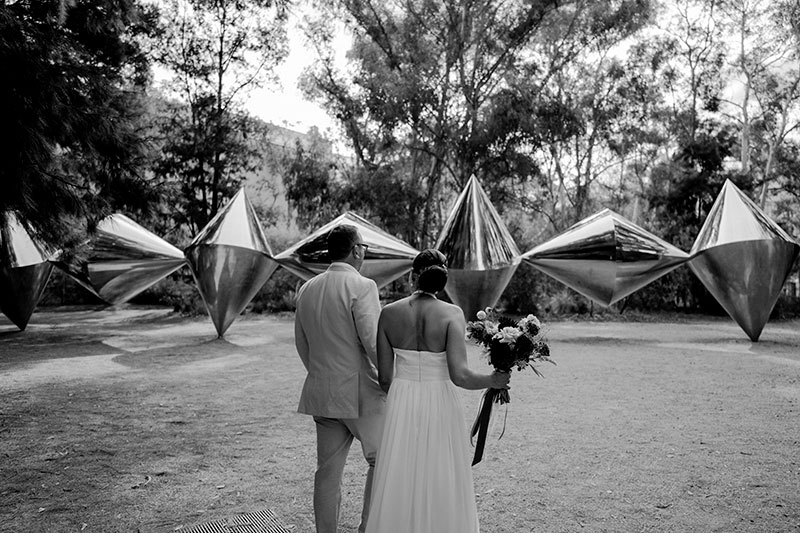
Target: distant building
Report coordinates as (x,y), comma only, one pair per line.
(265,187)
(285,139)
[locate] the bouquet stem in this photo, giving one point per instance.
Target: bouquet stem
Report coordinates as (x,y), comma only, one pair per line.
(481,424)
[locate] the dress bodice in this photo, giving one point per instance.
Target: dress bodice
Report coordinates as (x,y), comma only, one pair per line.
(415,365)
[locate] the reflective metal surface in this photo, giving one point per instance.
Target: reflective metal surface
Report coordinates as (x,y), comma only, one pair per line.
(228,277)
(473,290)
(123,260)
(17,247)
(387,257)
(24,271)
(230,260)
(236,224)
(605,257)
(743,258)
(734,217)
(481,254)
(21,289)
(474,237)
(746,278)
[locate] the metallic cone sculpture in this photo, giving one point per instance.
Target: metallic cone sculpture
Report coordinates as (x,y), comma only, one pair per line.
(481,253)
(605,257)
(124,259)
(230,260)
(24,271)
(387,257)
(743,258)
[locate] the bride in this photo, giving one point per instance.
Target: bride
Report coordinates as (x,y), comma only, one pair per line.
(423,477)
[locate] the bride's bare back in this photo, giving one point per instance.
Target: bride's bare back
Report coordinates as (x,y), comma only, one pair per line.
(421,322)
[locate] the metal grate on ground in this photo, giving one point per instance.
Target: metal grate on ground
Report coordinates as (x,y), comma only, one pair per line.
(258,522)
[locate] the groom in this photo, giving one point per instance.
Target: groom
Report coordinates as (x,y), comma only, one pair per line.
(335,334)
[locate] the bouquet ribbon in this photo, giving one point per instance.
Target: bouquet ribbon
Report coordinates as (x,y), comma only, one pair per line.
(481,424)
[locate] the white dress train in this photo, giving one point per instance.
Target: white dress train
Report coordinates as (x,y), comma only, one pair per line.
(423,478)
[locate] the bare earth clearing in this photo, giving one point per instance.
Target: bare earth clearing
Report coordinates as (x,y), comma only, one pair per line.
(134,419)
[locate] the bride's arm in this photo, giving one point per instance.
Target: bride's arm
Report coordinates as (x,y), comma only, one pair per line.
(385,356)
(460,373)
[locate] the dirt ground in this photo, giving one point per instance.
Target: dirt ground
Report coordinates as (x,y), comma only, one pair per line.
(134,419)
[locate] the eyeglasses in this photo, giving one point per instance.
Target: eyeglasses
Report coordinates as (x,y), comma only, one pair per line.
(365,246)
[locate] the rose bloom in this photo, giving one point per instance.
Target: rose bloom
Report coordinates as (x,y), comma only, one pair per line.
(481,315)
(530,324)
(508,335)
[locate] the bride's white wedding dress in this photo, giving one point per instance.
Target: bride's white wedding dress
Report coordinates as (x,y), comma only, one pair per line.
(423,478)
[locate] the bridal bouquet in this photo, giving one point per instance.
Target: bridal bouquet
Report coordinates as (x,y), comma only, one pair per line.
(509,344)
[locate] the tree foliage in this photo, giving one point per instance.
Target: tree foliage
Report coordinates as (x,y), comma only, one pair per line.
(72,146)
(442,91)
(216,52)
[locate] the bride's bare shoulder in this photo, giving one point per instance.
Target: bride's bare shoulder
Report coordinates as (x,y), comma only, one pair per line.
(393,307)
(452,310)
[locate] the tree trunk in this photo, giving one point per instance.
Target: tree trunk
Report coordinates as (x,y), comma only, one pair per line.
(218,118)
(745,137)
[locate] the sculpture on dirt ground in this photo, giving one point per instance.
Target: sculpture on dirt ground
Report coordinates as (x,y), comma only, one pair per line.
(24,271)
(605,257)
(230,260)
(743,258)
(121,259)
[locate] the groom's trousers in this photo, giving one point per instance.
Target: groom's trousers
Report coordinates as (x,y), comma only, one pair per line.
(334,437)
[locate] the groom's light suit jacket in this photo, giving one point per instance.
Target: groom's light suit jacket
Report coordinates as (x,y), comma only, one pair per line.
(336,324)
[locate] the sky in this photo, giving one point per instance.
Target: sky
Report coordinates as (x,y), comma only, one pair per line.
(285,105)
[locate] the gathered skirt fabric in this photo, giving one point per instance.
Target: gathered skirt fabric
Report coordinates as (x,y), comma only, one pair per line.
(423,477)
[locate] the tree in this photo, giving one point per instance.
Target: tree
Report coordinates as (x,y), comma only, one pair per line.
(693,77)
(681,193)
(216,51)
(681,63)
(425,96)
(311,189)
(767,69)
(74,75)
(583,109)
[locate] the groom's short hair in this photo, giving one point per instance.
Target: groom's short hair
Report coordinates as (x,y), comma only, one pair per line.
(341,240)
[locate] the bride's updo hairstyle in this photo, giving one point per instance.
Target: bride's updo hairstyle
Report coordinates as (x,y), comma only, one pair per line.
(430,266)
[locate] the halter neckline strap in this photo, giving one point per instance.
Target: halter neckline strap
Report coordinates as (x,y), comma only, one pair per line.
(421,292)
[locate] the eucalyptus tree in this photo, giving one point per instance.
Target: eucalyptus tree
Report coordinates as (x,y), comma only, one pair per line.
(590,111)
(214,52)
(765,79)
(648,98)
(694,37)
(689,51)
(426,97)
(73,77)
